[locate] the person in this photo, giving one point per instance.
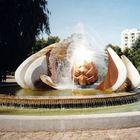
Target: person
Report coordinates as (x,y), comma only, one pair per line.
(4,77)
(0,77)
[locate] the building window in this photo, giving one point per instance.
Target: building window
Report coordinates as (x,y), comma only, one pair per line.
(133,37)
(133,40)
(138,34)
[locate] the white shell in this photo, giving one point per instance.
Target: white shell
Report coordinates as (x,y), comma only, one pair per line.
(122,72)
(21,70)
(38,67)
(132,73)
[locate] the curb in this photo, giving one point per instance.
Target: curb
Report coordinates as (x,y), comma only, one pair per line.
(70,122)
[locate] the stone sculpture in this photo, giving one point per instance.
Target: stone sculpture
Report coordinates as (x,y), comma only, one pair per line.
(85,74)
(39,71)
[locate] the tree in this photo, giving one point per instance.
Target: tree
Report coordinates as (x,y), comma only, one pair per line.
(41,43)
(117,49)
(135,58)
(136,44)
(21,22)
(133,55)
(128,52)
(52,39)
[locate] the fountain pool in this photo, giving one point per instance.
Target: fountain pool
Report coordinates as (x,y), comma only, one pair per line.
(14,96)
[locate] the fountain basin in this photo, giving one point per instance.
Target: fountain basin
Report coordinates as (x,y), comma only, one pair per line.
(79,98)
(56,122)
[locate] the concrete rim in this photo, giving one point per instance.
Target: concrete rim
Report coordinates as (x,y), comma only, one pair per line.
(70,102)
(70,122)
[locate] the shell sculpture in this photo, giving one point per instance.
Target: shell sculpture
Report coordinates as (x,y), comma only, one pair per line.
(38,71)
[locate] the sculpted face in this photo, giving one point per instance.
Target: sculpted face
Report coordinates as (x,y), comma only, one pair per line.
(85,74)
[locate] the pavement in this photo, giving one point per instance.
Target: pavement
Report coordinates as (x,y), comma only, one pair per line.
(115,134)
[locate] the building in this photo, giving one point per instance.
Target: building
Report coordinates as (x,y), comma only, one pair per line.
(128,37)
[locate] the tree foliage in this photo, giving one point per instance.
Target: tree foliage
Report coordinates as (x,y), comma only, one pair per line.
(41,43)
(52,39)
(134,56)
(129,53)
(21,21)
(117,49)
(134,53)
(136,44)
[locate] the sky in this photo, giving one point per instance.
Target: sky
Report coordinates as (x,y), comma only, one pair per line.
(103,20)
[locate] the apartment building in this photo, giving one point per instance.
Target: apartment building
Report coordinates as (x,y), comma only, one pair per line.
(128,37)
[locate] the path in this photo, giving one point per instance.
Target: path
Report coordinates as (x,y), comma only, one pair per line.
(116,134)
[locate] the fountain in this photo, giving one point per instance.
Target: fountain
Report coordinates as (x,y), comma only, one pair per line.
(72,78)
(80,76)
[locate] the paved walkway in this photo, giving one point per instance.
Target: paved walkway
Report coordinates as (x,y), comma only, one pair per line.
(116,134)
